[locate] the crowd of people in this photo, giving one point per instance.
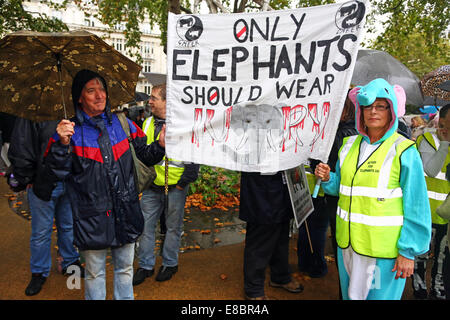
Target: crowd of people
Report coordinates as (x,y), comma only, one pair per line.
(381,193)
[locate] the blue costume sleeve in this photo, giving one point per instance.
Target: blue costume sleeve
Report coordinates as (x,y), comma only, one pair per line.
(416,231)
(331,186)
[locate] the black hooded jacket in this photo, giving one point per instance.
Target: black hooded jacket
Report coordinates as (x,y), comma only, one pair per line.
(264,199)
(29,141)
(98,167)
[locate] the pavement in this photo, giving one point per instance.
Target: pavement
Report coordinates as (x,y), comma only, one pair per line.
(210,266)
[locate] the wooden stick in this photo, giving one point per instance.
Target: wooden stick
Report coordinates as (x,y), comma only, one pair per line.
(309,238)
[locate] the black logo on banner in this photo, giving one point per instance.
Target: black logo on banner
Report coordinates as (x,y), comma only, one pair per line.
(350,14)
(189,29)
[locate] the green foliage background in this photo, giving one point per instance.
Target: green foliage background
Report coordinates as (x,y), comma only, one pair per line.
(213,181)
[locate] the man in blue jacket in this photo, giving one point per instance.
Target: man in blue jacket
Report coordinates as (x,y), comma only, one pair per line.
(92,151)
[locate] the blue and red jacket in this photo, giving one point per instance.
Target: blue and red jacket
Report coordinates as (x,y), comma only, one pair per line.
(98,168)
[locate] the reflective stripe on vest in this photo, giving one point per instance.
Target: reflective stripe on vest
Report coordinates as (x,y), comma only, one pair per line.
(370,207)
(176,168)
(438,187)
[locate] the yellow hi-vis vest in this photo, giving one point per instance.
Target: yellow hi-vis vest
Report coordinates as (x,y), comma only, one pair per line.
(176,168)
(438,187)
(370,207)
(312,181)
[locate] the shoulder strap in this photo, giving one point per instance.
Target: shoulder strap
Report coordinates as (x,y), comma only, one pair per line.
(125,125)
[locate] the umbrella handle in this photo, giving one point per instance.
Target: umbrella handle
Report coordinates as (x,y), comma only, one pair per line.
(59,66)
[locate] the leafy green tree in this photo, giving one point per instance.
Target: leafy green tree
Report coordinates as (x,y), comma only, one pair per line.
(134,12)
(13,17)
(415,32)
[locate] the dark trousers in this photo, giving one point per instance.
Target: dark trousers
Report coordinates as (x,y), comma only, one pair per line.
(313,263)
(265,245)
(439,270)
(447,270)
(331,208)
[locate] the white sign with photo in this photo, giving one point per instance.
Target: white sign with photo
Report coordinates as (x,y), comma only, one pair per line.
(301,200)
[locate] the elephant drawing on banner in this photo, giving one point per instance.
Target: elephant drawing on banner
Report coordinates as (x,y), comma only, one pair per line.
(254,125)
(262,117)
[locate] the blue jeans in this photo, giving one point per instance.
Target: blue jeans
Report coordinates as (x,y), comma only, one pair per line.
(152,204)
(42,214)
(95,273)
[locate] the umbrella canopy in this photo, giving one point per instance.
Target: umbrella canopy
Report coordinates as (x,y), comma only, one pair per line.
(37,69)
(372,64)
(434,86)
(141,96)
(445,86)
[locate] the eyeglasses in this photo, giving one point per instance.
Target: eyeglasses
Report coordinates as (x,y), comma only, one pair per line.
(378,107)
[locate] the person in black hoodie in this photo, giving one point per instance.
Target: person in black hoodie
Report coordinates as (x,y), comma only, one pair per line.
(266,207)
(6,128)
(47,199)
(93,153)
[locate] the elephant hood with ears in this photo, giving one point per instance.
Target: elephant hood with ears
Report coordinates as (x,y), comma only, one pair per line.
(366,95)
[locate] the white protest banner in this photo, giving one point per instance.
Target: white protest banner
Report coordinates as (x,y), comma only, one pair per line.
(259,91)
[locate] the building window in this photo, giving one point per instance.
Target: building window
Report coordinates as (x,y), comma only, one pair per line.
(89,22)
(147,66)
(119,27)
(147,87)
(118,44)
(147,49)
(146,28)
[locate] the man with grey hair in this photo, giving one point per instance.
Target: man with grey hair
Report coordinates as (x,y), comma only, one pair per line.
(92,153)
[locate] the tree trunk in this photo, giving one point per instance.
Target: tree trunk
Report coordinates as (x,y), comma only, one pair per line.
(174,6)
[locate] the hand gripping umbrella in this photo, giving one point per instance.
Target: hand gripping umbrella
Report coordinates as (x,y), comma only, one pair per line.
(37,69)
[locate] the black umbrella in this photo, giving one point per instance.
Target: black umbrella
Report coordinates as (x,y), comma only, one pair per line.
(372,64)
(155,78)
(141,96)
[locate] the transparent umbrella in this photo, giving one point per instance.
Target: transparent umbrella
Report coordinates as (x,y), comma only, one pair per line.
(372,64)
